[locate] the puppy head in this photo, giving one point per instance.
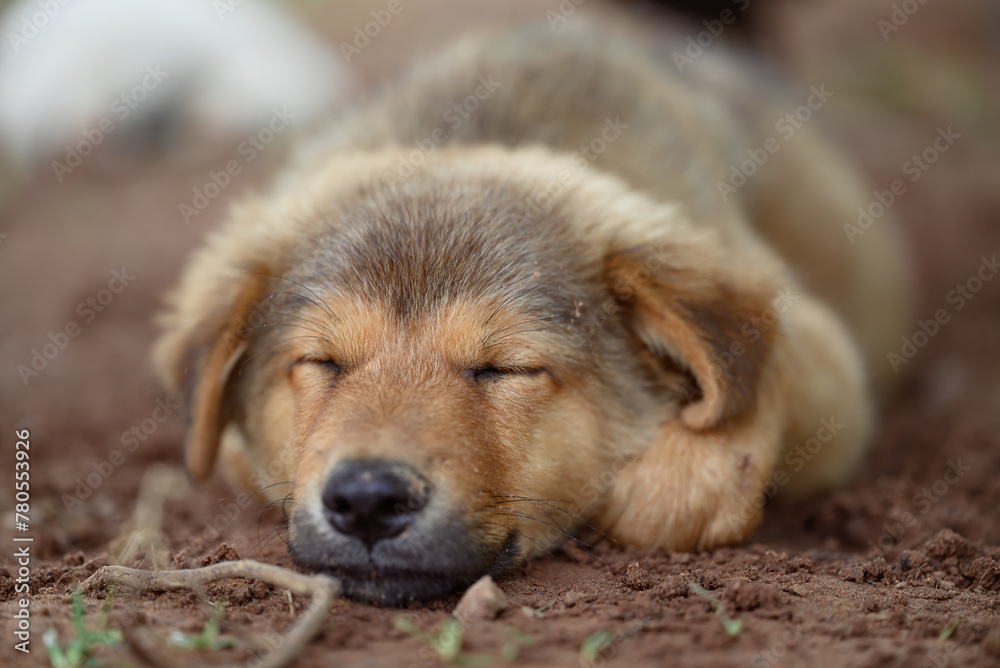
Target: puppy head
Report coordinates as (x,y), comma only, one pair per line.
(446,365)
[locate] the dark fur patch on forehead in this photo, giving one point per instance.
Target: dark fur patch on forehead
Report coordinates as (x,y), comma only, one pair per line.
(417,244)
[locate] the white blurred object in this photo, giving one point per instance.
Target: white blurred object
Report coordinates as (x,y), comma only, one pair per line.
(187,72)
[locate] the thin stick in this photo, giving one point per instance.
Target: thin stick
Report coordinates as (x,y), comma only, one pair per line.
(322,588)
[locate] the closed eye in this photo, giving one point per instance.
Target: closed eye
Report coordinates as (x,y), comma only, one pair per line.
(491,372)
(324,364)
(331,366)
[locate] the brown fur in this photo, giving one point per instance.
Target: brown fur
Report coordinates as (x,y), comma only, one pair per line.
(540,339)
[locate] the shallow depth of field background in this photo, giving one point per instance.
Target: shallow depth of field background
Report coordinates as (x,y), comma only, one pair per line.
(868,575)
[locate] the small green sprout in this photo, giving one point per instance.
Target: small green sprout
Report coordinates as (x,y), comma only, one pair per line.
(950,630)
(538,613)
(447,643)
(209,638)
(80,649)
(733,627)
(595,643)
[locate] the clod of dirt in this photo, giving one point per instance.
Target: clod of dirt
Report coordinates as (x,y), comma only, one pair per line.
(798,590)
(236,592)
(224,552)
(709,579)
(912,560)
(946,544)
(241,592)
(483,600)
(774,562)
(985,573)
(752,595)
(637,578)
(260,589)
(852,573)
(805,564)
(877,570)
(78,558)
(674,586)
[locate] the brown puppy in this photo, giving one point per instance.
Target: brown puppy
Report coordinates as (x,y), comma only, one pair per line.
(511,296)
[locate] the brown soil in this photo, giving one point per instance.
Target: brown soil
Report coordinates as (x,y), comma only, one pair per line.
(865,576)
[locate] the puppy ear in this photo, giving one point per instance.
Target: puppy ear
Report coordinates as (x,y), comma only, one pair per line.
(704,316)
(203,341)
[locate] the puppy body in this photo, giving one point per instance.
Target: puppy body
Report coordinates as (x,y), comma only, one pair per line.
(615,108)
(539,310)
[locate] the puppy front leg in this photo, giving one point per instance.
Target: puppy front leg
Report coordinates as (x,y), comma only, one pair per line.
(693,490)
(700,489)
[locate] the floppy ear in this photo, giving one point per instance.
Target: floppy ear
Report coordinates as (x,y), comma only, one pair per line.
(688,307)
(202,343)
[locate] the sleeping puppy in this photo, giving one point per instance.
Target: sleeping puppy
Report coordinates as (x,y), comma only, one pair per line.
(512,297)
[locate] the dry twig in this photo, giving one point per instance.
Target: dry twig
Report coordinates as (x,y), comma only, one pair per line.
(322,588)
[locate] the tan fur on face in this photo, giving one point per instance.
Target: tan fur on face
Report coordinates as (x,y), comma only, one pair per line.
(405,396)
(349,315)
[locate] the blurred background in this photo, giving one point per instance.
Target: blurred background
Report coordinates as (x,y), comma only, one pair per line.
(118,119)
(127,128)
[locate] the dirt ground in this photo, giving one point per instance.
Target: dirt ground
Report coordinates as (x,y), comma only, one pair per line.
(902,568)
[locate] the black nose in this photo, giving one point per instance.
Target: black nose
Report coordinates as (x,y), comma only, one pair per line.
(373,500)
